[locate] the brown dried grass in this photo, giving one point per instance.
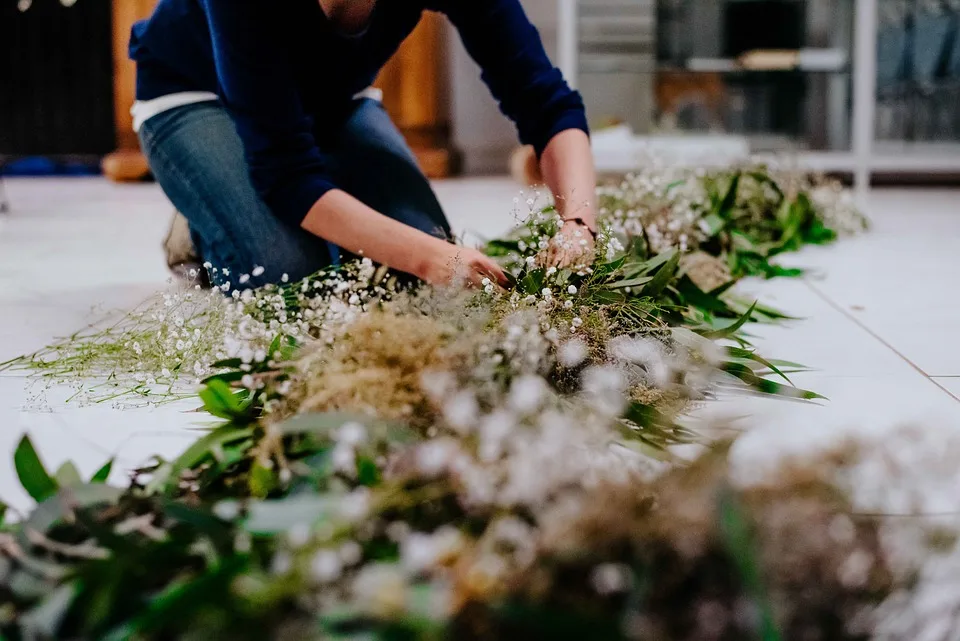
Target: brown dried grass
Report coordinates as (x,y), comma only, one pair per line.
(377,368)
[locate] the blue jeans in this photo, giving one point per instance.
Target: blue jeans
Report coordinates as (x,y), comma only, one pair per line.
(197,157)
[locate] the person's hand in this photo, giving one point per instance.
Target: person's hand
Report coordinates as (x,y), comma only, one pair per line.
(450,264)
(573,245)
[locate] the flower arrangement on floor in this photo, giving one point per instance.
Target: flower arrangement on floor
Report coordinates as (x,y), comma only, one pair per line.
(724,224)
(426,464)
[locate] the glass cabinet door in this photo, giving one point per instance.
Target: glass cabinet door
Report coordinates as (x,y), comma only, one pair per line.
(918,72)
(774,71)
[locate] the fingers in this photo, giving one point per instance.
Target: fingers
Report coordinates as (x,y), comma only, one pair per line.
(560,257)
(490,269)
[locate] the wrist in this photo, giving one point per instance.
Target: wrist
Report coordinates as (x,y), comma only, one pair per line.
(579,221)
(433,251)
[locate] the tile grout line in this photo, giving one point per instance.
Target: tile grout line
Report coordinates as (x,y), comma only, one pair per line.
(878,338)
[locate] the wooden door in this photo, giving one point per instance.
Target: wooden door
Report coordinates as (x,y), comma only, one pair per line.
(126,163)
(413,82)
(416,95)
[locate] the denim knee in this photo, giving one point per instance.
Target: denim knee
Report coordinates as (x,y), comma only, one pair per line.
(197,157)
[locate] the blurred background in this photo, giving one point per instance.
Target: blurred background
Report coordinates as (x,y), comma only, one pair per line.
(866,89)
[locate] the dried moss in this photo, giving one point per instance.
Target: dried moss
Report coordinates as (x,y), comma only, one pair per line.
(377,366)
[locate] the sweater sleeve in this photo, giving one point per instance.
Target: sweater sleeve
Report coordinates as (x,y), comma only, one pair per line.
(530,89)
(256,85)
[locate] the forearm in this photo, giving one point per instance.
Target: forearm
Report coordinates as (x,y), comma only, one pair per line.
(345,221)
(568,170)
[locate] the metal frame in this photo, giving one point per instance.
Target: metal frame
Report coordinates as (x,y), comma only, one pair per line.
(866,156)
(864,92)
(568,37)
(4,201)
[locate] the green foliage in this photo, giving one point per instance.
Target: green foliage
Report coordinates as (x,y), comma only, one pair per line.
(223,402)
(222,542)
(33,475)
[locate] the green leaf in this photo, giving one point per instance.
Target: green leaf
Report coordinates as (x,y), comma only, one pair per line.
(319,423)
(763,178)
(498,248)
(342,623)
(766,386)
(675,184)
(607,296)
(604,269)
(819,234)
(693,295)
(648,266)
(33,475)
(232,363)
(62,504)
(629,282)
(739,352)
(179,601)
(776,271)
(67,475)
(262,480)
(562,277)
(761,312)
(44,620)
(713,224)
(791,229)
(103,473)
(729,199)
(274,346)
(782,212)
(368,474)
(220,400)
(233,376)
(200,518)
(717,291)
(663,276)
(743,552)
(731,329)
(532,283)
(288,348)
(274,517)
(29,586)
(208,446)
(323,423)
(656,429)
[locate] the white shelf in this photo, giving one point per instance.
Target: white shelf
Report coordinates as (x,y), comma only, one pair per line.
(920,157)
(866,156)
(819,161)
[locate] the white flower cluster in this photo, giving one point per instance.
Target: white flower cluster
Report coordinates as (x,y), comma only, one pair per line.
(837,208)
(911,482)
(164,348)
(664,205)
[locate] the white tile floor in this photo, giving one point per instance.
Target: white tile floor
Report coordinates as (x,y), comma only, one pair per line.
(879,328)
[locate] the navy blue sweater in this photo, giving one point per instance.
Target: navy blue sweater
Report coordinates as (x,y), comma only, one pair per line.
(287,76)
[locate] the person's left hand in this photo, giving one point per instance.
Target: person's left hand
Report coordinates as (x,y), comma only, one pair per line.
(573,245)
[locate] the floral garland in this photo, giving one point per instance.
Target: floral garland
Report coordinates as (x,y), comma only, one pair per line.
(425,464)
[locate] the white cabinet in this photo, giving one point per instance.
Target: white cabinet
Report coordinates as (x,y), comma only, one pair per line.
(819,102)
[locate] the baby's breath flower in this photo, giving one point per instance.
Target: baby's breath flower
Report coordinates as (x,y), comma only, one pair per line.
(326,566)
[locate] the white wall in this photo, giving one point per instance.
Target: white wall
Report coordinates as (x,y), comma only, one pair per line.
(480,131)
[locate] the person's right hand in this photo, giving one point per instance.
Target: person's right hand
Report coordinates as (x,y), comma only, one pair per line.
(449,263)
